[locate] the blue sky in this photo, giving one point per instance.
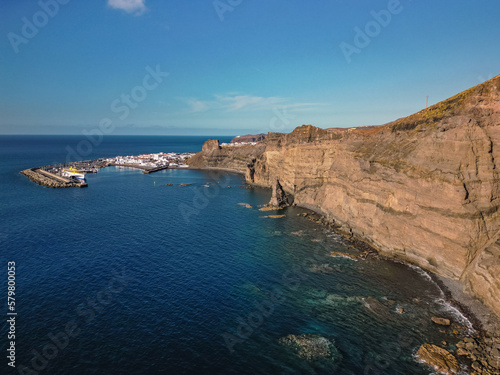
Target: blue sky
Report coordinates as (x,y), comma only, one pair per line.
(235,66)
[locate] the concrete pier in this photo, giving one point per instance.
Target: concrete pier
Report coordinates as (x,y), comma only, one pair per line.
(156,169)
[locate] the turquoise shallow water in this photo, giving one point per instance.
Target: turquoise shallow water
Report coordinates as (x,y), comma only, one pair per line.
(182,280)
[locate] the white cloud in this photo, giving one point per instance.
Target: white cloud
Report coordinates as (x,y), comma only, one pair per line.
(235,102)
(137,7)
(248,102)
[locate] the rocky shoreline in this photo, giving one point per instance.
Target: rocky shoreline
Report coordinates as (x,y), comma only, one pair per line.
(423,189)
(480,352)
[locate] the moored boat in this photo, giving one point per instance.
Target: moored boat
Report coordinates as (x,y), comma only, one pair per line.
(73,172)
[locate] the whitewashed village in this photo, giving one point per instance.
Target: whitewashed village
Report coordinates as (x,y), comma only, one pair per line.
(171,159)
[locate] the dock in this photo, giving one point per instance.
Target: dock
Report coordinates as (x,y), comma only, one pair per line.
(145,169)
(155,169)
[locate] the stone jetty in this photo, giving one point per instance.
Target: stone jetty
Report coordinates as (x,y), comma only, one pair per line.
(51,180)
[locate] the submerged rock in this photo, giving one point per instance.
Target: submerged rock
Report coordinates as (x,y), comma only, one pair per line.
(338,254)
(321,268)
(377,308)
(441,321)
(269,208)
(245,204)
(311,347)
(439,358)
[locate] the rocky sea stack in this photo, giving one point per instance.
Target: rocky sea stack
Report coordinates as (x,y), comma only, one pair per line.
(278,197)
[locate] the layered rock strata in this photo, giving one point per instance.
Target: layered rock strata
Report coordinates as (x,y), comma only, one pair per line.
(424,188)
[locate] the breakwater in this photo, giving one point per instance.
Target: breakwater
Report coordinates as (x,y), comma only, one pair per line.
(155,169)
(51,175)
(145,169)
(44,178)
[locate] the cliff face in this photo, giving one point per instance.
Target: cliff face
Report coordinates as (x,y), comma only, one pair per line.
(424,188)
(235,158)
(249,138)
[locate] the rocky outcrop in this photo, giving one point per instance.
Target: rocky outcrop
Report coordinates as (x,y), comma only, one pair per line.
(311,347)
(278,196)
(438,358)
(248,138)
(211,146)
(425,189)
(441,321)
(483,352)
(237,159)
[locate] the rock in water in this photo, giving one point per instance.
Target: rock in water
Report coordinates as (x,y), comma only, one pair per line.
(439,358)
(377,308)
(441,321)
(311,347)
(278,198)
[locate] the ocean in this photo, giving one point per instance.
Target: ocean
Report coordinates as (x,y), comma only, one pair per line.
(131,276)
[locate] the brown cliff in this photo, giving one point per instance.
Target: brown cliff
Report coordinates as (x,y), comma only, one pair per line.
(278,196)
(248,138)
(424,188)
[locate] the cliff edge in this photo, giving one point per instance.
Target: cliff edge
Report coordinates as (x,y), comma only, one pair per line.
(424,188)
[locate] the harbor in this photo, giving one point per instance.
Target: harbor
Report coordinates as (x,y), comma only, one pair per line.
(66,175)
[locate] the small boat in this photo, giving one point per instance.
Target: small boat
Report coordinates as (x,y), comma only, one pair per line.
(73,172)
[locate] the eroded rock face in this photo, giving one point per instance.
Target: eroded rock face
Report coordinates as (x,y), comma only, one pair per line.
(424,188)
(249,138)
(278,197)
(234,158)
(211,146)
(439,358)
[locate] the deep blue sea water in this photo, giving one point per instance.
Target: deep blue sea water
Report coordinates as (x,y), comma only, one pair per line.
(156,279)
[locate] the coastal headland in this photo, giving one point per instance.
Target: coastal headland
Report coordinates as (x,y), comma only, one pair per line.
(424,189)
